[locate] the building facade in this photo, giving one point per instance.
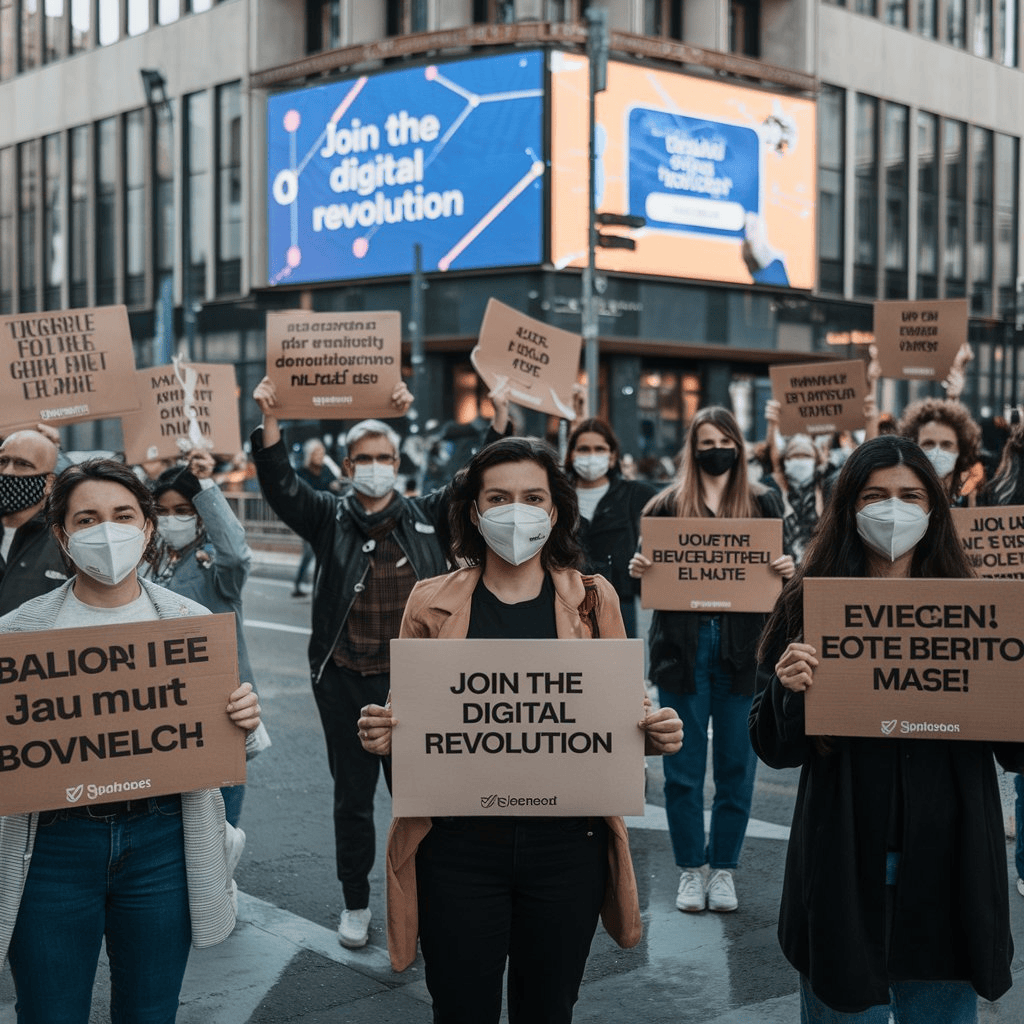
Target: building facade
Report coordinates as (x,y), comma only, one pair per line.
(864,152)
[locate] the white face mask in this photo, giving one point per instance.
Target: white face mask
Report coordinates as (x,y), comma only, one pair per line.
(108,552)
(374,480)
(591,467)
(892,527)
(514,532)
(942,461)
(798,469)
(178,531)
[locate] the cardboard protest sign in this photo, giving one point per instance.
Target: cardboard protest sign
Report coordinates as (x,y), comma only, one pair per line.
(820,398)
(918,340)
(993,539)
(540,363)
(532,727)
(710,564)
(939,659)
(183,406)
(95,715)
(334,366)
(66,367)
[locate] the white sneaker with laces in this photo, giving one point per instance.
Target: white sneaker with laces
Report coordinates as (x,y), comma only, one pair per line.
(721,891)
(690,896)
(354,928)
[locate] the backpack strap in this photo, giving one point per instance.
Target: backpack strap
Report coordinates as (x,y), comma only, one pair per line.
(588,607)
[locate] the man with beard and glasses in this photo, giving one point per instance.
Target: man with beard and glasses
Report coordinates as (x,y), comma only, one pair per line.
(31,562)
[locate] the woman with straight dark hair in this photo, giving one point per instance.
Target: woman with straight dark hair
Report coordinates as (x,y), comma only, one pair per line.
(478,891)
(703,666)
(610,508)
(895,893)
(149,876)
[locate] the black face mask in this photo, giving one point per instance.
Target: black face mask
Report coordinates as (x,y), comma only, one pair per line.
(18,493)
(716,461)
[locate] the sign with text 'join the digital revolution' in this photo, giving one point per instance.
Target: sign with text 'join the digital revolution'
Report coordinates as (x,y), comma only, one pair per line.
(449,156)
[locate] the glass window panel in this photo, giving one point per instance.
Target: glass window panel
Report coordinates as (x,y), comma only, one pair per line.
(1006,159)
(79,220)
(28,211)
(981,235)
(81,19)
(831,142)
(53,30)
(135,207)
(8,192)
(926,18)
(864,7)
(106,203)
(168,11)
(927,207)
(983,28)
(1006,32)
(956,22)
(198,6)
(54,222)
(163,163)
(196,216)
(896,12)
(896,201)
(229,188)
(29,34)
(110,22)
(138,17)
(8,40)
(866,197)
(954,159)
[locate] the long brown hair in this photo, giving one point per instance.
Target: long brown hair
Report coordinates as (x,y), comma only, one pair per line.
(685,497)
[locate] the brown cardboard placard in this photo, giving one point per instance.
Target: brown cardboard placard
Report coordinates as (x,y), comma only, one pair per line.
(539,363)
(65,366)
(710,565)
(820,398)
(938,659)
(993,539)
(100,714)
(918,340)
(521,727)
(334,366)
(183,406)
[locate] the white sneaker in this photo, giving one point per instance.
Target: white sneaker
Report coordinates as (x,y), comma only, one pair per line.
(690,896)
(1020,886)
(721,891)
(354,928)
(234,844)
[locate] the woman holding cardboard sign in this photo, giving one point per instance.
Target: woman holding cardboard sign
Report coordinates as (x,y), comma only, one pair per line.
(479,891)
(150,876)
(895,894)
(703,666)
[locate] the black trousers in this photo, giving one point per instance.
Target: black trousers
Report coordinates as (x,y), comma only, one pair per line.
(526,890)
(340,695)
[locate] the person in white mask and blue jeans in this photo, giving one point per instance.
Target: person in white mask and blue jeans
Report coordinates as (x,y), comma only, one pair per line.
(949,437)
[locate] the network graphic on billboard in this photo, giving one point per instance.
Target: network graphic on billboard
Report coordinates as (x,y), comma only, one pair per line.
(448,156)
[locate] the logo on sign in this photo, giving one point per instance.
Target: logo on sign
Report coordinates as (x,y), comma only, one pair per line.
(888,725)
(493,800)
(74,794)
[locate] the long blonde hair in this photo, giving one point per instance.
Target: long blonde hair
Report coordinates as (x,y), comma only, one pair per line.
(685,497)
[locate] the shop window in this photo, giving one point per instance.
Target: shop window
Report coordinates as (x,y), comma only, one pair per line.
(927,206)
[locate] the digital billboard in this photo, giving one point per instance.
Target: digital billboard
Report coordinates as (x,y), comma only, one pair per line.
(724,175)
(449,156)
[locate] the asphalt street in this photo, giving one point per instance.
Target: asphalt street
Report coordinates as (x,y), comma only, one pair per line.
(284,964)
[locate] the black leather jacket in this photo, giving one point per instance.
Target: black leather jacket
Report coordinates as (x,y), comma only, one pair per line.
(322,519)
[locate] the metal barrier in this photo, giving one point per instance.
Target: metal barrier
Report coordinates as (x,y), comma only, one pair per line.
(262,526)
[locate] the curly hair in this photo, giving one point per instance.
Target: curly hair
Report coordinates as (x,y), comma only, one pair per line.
(561,550)
(107,471)
(950,414)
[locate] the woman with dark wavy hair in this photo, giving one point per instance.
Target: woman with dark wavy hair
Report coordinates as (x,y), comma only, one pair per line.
(480,891)
(895,892)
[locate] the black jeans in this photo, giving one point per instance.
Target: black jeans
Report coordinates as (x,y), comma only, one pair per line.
(340,695)
(527,890)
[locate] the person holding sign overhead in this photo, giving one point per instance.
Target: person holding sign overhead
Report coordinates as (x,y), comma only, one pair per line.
(703,666)
(150,876)
(482,890)
(895,892)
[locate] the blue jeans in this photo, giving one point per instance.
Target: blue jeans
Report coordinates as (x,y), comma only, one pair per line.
(733,761)
(304,563)
(233,797)
(122,878)
(911,1002)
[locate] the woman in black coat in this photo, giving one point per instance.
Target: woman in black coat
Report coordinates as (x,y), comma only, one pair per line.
(895,894)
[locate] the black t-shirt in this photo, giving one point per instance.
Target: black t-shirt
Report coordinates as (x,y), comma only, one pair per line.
(491,619)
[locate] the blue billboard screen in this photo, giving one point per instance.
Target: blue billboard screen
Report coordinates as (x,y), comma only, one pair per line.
(449,156)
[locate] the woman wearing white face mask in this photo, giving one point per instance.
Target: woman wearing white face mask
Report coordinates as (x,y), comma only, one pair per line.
(202,554)
(480,891)
(952,441)
(610,508)
(172,856)
(895,893)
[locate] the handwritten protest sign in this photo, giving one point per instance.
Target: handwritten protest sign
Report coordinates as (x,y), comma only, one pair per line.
(820,398)
(183,406)
(534,727)
(334,365)
(710,564)
(938,659)
(66,367)
(918,340)
(94,715)
(539,363)
(993,539)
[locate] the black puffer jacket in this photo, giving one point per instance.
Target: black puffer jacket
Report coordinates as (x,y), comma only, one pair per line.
(35,565)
